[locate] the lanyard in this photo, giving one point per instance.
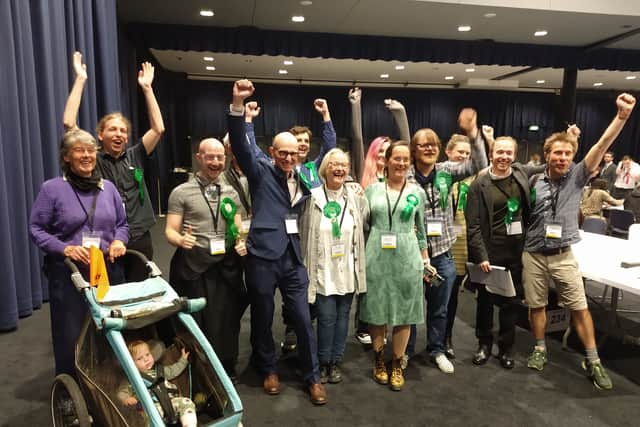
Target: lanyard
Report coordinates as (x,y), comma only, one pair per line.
(554,198)
(91,214)
(391,212)
(456,201)
(295,193)
(346,201)
(431,198)
(214,215)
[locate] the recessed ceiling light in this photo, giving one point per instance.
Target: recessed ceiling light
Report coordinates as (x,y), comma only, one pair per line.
(384,76)
(630,77)
(540,33)
(208,58)
(283,72)
(206,12)
(534,128)
(399,67)
(297,18)
(287,62)
(540,81)
(306,2)
(469,70)
(210,68)
(464,28)
(449,78)
(598,84)
(490,15)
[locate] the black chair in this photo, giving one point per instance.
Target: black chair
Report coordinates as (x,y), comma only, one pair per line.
(593,224)
(619,222)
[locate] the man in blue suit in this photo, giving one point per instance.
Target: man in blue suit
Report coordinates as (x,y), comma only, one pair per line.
(273,245)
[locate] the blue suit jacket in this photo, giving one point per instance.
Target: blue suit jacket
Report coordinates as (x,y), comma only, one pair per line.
(270,198)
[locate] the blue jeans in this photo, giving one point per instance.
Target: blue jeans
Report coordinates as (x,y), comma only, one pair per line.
(333,326)
(437,301)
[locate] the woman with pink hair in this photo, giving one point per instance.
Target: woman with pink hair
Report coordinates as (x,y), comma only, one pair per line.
(373,170)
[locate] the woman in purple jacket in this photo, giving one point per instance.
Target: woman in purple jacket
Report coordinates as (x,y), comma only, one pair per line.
(70,214)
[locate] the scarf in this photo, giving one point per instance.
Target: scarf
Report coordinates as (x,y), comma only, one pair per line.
(84,184)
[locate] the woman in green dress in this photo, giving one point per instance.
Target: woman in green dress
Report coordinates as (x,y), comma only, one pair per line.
(396,256)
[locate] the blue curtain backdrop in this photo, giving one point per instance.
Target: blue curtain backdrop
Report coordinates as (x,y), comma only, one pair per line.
(39,37)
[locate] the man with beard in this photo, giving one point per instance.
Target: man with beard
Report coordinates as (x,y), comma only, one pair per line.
(203,223)
(553,228)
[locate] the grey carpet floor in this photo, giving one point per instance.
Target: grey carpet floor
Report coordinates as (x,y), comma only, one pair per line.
(478,396)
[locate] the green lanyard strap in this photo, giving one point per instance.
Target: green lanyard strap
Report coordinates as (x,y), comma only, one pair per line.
(512,207)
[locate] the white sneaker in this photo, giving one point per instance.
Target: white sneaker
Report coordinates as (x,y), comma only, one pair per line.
(444,364)
(404,362)
(364,338)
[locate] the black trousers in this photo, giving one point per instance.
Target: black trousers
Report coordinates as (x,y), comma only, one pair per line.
(223,287)
(134,269)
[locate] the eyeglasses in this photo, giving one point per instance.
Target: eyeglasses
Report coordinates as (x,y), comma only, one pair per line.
(336,165)
(282,154)
(427,145)
(82,150)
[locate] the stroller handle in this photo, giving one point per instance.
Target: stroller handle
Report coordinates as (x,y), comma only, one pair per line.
(152,268)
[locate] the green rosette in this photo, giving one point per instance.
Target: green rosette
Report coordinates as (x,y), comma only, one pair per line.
(138,176)
(412,202)
(512,207)
(228,210)
(443,184)
(332,211)
(463,190)
(313,176)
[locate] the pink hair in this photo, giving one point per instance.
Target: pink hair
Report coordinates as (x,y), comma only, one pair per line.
(369,173)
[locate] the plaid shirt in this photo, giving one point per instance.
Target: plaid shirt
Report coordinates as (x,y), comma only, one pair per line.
(434,212)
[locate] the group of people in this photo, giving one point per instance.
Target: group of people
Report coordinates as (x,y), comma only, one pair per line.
(394,233)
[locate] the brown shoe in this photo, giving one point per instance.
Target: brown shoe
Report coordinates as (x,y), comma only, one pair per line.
(318,394)
(271,384)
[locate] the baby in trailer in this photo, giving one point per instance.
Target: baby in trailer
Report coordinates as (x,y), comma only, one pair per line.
(183,407)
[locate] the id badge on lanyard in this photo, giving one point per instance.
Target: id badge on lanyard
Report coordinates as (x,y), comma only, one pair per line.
(217,245)
(337,249)
(91,238)
(553,230)
(515,228)
(291,224)
(434,228)
(388,241)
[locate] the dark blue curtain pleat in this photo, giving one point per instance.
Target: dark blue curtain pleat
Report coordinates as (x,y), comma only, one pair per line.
(38,38)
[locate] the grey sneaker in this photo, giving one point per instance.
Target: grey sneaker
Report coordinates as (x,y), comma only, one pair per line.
(324,373)
(335,375)
(537,359)
(290,342)
(597,374)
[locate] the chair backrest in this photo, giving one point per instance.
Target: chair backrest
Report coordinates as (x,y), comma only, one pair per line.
(621,220)
(595,225)
(634,232)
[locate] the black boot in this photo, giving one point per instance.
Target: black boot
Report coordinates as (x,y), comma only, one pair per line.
(449,352)
(482,355)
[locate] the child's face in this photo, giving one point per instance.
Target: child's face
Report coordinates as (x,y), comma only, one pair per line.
(143,358)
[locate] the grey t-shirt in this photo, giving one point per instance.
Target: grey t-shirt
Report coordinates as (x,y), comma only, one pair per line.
(565,194)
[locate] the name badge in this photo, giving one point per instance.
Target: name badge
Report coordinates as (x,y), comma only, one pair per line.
(388,241)
(434,228)
(514,229)
(91,238)
(337,249)
(553,230)
(217,246)
(291,224)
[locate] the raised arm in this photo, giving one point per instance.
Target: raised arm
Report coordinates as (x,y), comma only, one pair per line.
(151,138)
(242,150)
(400,117)
(70,114)
(329,138)
(251,111)
(357,141)
(625,103)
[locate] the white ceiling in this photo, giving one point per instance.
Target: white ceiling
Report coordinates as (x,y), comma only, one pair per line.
(410,18)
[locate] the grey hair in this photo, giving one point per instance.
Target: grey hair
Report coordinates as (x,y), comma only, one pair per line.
(69,140)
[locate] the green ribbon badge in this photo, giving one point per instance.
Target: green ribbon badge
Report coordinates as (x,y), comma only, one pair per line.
(463,190)
(443,184)
(138,176)
(512,207)
(313,176)
(412,202)
(228,210)
(332,211)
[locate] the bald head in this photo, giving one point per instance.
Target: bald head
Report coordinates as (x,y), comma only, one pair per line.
(284,151)
(210,158)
